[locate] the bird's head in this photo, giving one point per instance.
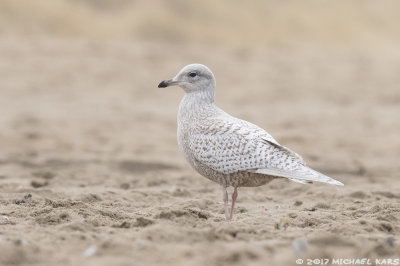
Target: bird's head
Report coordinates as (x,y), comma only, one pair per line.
(192,78)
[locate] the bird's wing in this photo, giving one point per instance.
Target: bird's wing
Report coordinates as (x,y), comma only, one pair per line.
(233,145)
(298,172)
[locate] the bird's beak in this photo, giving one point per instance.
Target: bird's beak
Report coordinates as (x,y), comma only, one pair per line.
(169,82)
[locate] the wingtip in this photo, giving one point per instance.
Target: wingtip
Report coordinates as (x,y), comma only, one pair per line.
(338,183)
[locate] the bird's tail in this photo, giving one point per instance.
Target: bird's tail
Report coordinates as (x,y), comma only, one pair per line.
(304,175)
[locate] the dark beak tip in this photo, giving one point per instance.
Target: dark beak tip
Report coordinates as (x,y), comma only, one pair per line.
(163,84)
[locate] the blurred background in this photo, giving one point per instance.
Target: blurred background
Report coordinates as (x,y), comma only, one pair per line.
(105,58)
(227,23)
(85,131)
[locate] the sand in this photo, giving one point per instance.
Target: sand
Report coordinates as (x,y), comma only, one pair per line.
(90,171)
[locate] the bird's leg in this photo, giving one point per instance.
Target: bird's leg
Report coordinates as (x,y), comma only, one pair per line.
(225,198)
(234,197)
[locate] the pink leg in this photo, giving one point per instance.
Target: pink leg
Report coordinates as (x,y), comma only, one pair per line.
(225,198)
(234,197)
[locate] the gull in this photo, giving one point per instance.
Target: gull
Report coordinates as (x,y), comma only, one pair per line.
(227,150)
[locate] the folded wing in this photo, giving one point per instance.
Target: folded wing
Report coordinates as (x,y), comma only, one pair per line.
(233,145)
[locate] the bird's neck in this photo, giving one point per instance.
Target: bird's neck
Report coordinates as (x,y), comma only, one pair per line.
(199,98)
(195,102)
(204,96)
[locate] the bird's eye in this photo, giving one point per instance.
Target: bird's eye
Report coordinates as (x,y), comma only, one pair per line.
(192,74)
